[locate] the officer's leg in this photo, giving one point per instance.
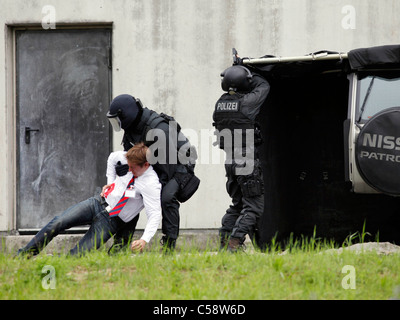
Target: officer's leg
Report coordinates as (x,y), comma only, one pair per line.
(233,212)
(252,187)
(253,207)
(170,214)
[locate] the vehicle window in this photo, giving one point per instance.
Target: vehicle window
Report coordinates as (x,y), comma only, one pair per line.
(377,93)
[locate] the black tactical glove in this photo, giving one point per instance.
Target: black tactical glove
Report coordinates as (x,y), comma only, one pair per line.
(121,169)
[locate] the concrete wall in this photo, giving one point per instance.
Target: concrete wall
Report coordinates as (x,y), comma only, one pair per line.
(169,53)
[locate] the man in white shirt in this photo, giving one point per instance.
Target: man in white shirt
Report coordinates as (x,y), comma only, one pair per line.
(124,198)
(144,193)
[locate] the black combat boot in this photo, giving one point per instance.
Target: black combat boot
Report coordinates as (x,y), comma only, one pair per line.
(234,245)
(168,244)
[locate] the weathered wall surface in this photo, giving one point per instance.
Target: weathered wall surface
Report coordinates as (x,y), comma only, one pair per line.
(169,53)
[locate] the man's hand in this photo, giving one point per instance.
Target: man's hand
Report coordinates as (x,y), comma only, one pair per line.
(104,190)
(138,245)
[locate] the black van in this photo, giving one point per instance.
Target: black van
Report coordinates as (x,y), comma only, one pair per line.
(331,153)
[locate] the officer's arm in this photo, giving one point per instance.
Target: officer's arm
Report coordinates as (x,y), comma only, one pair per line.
(256,98)
(110,172)
(260,89)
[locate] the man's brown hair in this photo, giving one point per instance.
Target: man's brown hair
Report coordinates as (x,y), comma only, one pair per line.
(137,154)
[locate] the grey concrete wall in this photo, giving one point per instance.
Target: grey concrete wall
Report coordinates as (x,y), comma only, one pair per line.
(170,53)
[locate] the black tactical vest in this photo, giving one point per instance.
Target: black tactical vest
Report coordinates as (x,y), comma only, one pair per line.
(228,114)
(151,120)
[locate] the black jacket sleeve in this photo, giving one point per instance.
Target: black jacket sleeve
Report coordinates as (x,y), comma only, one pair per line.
(253,100)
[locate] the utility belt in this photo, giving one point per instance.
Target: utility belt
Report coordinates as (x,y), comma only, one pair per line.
(251,185)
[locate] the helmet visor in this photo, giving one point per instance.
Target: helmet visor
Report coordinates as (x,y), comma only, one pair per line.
(115,121)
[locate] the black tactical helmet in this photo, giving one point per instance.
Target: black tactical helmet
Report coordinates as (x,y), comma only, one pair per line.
(124,110)
(236,78)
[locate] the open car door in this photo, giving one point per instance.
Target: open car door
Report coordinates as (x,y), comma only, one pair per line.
(331,153)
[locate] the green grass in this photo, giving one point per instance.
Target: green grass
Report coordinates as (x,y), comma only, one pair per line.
(306,272)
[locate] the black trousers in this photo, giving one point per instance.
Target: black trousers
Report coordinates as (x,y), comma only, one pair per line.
(247,193)
(170,210)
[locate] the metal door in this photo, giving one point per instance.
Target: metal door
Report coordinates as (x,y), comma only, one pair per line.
(63,135)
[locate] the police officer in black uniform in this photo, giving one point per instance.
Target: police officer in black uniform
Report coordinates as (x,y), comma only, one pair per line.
(176,175)
(238,134)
